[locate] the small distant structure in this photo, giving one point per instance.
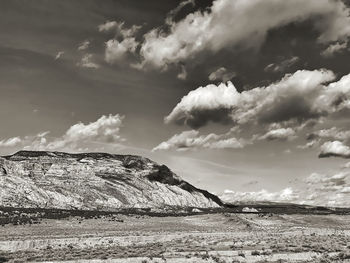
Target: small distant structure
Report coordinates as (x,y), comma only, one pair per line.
(249,210)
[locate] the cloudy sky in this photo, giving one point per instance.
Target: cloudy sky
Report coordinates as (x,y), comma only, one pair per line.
(248,99)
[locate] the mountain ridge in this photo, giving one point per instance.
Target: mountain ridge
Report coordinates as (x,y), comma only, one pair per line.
(94,181)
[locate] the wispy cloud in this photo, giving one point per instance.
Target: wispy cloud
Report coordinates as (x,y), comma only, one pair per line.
(59,55)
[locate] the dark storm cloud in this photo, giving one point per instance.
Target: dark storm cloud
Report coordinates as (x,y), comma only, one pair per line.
(199,118)
(290,108)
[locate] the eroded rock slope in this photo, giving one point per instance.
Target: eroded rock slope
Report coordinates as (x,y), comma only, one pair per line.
(94,181)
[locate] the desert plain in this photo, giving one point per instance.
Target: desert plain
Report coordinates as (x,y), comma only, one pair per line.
(197,237)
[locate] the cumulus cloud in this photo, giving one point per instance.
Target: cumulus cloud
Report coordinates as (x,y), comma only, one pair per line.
(346,165)
(11,142)
(204,104)
(123,42)
(285,195)
(240,23)
(59,55)
(222,74)
(106,129)
(334,148)
(79,137)
(320,189)
(119,29)
(84,45)
(108,26)
(332,49)
(116,51)
(337,94)
(345,190)
(192,140)
(329,190)
(281,134)
(332,133)
(281,66)
(279,111)
(86,62)
(331,198)
(327,180)
(297,97)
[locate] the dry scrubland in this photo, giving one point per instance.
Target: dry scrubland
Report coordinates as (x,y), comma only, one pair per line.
(196,238)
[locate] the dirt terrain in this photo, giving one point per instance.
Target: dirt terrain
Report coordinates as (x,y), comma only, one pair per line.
(217,237)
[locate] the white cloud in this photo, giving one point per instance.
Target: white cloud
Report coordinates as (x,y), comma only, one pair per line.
(222,74)
(334,48)
(79,137)
(192,140)
(346,165)
(37,142)
(334,148)
(336,95)
(183,74)
(345,190)
(279,134)
(310,144)
(281,66)
(86,62)
(59,55)
(321,189)
(84,45)
(116,51)
(119,29)
(331,133)
(230,143)
(123,43)
(328,189)
(109,26)
(207,98)
(285,195)
(231,23)
(106,128)
(279,111)
(337,179)
(297,97)
(11,142)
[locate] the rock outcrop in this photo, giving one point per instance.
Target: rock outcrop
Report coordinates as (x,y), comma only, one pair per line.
(94,181)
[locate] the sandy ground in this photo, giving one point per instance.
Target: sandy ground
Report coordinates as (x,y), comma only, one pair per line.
(198,238)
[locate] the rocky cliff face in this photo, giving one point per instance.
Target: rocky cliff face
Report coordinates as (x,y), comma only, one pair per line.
(94,181)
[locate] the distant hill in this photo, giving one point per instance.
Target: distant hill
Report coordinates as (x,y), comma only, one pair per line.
(284,208)
(94,181)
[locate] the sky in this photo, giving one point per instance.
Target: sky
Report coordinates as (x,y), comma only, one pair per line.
(247,99)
